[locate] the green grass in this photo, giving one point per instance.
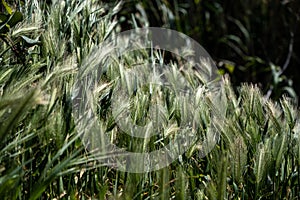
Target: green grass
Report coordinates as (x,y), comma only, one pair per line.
(42,155)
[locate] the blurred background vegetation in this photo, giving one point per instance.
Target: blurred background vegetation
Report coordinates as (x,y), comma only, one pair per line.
(253,41)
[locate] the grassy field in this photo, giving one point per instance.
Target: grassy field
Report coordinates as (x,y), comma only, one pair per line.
(42,155)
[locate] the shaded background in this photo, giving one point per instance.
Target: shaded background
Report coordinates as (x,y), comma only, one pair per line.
(252,41)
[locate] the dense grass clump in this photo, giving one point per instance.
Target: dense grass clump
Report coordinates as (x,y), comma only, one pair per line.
(42,155)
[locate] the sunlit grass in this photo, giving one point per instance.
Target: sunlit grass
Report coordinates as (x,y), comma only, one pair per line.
(42,155)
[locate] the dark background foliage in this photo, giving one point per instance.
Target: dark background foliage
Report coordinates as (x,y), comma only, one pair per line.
(253,41)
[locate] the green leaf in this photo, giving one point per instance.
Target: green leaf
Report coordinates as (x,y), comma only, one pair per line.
(238,41)
(30,42)
(229,67)
(3,18)
(242,28)
(221,71)
(290,91)
(14,19)
(10,22)
(7,7)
